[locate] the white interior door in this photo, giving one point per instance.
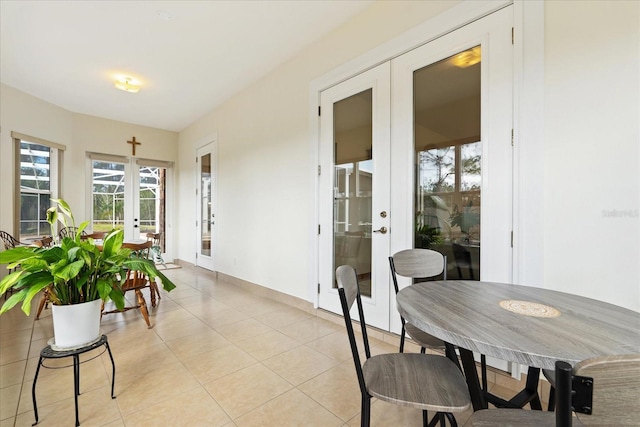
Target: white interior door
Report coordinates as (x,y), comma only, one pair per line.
(205,196)
(354,190)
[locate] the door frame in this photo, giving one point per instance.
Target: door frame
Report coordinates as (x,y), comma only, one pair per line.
(528,97)
(209,144)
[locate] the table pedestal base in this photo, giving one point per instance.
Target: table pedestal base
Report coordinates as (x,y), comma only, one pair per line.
(480,398)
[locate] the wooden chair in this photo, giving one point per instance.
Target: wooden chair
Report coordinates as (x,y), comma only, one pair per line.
(612,381)
(156,248)
(96,235)
(9,241)
(417,264)
(44,242)
(69,232)
(423,381)
(136,281)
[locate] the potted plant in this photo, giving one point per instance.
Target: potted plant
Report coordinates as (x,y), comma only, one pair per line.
(467,218)
(75,273)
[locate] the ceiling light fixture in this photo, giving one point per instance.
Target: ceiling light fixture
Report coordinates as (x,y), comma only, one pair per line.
(127,84)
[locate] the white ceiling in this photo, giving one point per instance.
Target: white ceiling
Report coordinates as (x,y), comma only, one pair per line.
(189,55)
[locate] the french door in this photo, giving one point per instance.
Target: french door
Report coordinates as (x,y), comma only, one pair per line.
(444,172)
(129,194)
(205,191)
(354,183)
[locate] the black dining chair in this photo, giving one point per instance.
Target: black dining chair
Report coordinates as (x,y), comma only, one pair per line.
(463,260)
(417,264)
(427,382)
(601,391)
(423,264)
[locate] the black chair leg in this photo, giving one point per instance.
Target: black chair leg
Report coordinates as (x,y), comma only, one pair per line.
(402,339)
(483,367)
(452,419)
(552,400)
(365,415)
(425,418)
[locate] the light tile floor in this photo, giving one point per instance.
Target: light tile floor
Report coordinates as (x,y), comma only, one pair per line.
(216,356)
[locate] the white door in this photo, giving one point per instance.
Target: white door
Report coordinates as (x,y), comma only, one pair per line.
(451,151)
(205,196)
(354,190)
(130,194)
(448,165)
(453,116)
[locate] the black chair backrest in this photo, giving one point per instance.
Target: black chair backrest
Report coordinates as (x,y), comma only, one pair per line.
(349,292)
(418,264)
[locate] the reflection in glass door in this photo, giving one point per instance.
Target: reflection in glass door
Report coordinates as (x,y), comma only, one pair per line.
(353,176)
(448,154)
(205,205)
(206,217)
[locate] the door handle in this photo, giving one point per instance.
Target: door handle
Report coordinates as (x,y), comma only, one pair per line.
(382,230)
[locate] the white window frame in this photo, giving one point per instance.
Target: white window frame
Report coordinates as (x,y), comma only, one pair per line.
(55,160)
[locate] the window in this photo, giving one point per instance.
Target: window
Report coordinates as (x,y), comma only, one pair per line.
(38,171)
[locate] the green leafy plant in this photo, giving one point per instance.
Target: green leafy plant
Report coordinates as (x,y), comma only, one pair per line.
(73,271)
(465,218)
(425,235)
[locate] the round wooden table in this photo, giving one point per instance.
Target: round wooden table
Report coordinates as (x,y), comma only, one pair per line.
(527,325)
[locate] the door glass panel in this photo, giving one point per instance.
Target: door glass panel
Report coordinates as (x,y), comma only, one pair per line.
(152,202)
(108,187)
(448,161)
(353,174)
(205,194)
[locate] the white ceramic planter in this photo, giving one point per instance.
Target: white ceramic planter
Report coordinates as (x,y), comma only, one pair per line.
(76,325)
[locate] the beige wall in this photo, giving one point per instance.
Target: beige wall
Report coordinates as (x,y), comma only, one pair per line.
(23,113)
(262,215)
(592,140)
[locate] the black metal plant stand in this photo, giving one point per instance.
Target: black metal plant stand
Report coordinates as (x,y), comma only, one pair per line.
(50,353)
